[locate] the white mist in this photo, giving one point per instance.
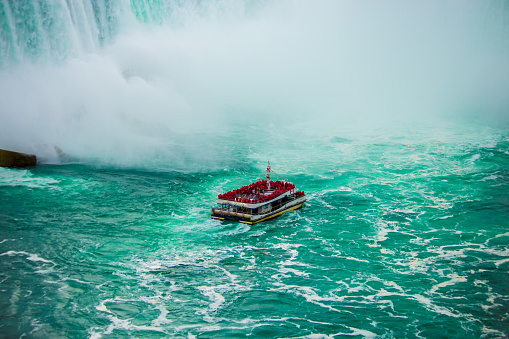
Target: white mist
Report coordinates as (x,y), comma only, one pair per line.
(152,87)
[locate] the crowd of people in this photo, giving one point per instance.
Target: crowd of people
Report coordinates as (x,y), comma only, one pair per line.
(257,192)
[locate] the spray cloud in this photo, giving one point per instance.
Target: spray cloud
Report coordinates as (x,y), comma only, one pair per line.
(119,81)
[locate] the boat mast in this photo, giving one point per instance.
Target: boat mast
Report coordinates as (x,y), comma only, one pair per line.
(268,175)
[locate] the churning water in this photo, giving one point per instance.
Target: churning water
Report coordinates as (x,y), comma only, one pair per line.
(391,116)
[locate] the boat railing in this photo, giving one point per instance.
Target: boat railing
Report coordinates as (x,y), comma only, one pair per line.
(251,210)
(258,192)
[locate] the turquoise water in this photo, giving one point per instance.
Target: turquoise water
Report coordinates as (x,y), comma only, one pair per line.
(390,115)
(404,235)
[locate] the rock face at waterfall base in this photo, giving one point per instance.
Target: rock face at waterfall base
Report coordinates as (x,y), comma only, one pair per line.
(16,159)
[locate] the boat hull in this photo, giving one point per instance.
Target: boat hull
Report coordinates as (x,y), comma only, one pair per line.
(254,219)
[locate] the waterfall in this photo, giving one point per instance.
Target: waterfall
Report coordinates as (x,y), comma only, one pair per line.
(57,29)
(35,30)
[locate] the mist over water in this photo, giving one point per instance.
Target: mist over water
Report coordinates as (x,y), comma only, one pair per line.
(122,82)
(392,116)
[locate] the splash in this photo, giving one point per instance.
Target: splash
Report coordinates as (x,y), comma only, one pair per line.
(132,81)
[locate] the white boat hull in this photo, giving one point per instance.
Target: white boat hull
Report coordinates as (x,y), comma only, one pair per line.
(256,218)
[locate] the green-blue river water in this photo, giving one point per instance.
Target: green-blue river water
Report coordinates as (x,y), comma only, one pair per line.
(404,235)
(391,115)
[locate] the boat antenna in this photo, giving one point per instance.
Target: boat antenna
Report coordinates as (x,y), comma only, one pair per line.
(268,175)
(269,170)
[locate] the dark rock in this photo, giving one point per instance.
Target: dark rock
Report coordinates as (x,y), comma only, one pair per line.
(16,159)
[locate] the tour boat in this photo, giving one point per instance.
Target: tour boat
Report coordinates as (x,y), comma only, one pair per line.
(262,200)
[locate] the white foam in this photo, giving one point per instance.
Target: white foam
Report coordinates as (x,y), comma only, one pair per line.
(490,177)
(502,235)
(501,262)
(356,259)
(216,298)
(421,241)
(12,310)
(241,228)
(475,157)
(125,324)
(437,309)
(354,333)
(36,324)
(311,296)
(454,280)
(102,306)
(393,285)
(314,336)
(441,203)
(405,211)
(30,256)
(294,271)
(490,333)
(94,335)
(16,177)
(162,318)
(360,332)
(287,246)
(156,265)
(422,300)
(386,251)
(355,289)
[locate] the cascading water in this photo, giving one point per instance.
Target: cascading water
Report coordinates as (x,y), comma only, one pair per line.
(56,30)
(392,116)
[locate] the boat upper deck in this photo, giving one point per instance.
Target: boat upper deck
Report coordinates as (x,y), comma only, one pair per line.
(259,193)
(244,200)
